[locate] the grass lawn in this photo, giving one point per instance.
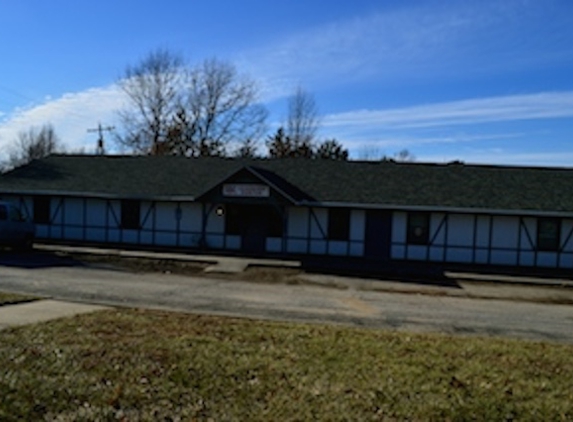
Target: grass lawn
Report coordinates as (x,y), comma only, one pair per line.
(149,365)
(12,298)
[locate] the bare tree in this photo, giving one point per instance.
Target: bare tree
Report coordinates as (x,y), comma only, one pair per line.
(153,89)
(34,144)
(373,153)
(404,156)
(370,153)
(221,109)
(303,120)
(179,110)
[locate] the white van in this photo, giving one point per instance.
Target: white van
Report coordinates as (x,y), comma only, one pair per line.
(15,229)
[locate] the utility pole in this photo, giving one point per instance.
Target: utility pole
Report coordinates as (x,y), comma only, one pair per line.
(100,150)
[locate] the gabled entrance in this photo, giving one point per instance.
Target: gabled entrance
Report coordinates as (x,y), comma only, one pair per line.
(253,202)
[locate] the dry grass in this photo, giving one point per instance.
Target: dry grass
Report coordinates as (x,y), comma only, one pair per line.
(147,365)
(139,265)
(12,298)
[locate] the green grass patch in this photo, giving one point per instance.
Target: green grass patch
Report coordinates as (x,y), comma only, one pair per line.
(12,298)
(148,365)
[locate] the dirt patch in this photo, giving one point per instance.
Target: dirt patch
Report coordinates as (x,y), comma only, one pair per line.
(265,275)
(258,274)
(359,305)
(140,265)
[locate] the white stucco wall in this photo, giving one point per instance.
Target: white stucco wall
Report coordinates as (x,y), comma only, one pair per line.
(357,232)
(482,239)
(456,237)
(304,222)
(297,229)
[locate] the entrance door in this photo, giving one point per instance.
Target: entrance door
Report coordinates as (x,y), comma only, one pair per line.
(378,234)
(254,223)
(255,231)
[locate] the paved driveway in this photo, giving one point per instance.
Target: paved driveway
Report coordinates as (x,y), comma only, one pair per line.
(61,279)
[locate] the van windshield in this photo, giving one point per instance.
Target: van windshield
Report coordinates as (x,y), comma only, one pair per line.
(15,214)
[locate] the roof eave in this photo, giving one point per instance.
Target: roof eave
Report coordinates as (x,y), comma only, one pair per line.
(99,195)
(443,209)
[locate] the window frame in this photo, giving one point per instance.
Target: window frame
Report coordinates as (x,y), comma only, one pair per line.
(545,243)
(233,220)
(339,224)
(130,214)
(14,214)
(413,236)
(42,210)
(3,212)
(275,224)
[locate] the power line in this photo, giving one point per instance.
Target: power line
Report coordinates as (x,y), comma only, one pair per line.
(100,150)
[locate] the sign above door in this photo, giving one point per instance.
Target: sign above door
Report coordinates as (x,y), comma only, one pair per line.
(246,190)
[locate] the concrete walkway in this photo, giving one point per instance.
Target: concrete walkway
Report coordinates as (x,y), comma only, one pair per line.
(40,311)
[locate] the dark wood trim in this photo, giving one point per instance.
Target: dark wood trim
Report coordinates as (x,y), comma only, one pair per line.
(474,238)
(490,239)
(178,217)
(446,231)
(85,218)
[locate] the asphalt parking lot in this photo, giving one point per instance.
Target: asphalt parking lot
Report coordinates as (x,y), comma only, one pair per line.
(302,297)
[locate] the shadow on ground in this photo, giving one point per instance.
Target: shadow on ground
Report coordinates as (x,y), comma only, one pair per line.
(36,259)
(409,273)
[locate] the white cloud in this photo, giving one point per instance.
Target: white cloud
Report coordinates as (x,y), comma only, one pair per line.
(545,105)
(71,115)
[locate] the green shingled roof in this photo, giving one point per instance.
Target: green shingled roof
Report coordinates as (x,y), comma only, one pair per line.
(320,181)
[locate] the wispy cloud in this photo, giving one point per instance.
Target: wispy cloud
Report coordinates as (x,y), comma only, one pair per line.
(71,115)
(545,105)
(503,157)
(424,41)
(388,143)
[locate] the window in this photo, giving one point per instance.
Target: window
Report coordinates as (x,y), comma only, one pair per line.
(275,223)
(339,224)
(15,214)
(42,210)
(234,220)
(548,234)
(130,213)
(418,228)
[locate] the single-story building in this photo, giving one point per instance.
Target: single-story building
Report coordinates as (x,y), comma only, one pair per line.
(380,212)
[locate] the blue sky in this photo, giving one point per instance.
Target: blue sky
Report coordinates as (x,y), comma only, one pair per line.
(483,81)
